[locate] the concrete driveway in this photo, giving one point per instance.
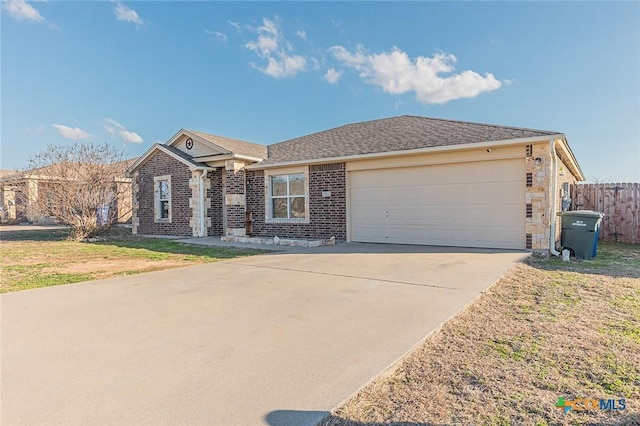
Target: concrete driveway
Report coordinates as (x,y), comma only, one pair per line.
(277,339)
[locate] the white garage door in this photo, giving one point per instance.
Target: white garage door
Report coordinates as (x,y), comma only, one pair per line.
(478,204)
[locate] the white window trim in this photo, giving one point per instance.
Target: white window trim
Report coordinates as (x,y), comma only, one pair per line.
(268,208)
(157,215)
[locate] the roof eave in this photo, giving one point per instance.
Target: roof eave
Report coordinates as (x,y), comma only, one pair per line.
(156,146)
(223,157)
(385,154)
(574,162)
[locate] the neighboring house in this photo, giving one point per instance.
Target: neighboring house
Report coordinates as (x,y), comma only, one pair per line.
(19,192)
(10,209)
(405,180)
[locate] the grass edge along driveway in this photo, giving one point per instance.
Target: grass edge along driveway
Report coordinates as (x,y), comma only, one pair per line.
(43,258)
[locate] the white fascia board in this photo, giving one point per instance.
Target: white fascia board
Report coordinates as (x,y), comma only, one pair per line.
(466,146)
(247,158)
(572,159)
(207,158)
(143,159)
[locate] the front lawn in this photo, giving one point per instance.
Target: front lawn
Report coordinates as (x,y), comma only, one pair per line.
(42,258)
(547,330)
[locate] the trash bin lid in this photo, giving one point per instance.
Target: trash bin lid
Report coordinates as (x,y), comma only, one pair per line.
(582,213)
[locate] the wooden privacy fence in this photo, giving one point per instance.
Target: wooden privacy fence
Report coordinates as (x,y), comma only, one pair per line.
(620,202)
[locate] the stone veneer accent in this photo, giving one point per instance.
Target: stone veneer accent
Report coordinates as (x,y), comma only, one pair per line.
(135,203)
(194,203)
(540,197)
(327,215)
(143,197)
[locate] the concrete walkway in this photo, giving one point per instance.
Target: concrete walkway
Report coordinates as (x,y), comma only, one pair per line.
(278,339)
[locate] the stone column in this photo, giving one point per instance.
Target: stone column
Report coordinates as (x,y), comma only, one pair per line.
(235,198)
(195,202)
(538,226)
(135,203)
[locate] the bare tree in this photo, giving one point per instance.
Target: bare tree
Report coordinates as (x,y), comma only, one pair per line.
(82,185)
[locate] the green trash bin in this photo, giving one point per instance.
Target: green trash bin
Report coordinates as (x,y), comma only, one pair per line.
(580,231)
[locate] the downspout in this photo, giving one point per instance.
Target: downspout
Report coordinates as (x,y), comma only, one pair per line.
(203,226)
(554,197)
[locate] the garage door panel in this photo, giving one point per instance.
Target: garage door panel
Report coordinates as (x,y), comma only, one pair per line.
(372,216)
(471,204)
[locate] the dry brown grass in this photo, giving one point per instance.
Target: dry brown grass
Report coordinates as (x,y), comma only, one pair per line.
(545,330)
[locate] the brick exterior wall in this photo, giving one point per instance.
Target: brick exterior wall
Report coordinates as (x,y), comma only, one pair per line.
(158,165)
(235,182)
(216,194)
(327,215)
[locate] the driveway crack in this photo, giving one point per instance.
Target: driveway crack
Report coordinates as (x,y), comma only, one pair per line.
(354,276)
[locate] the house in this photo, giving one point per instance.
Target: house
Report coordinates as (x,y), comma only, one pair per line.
(20,192)
(10,212)
(405,180)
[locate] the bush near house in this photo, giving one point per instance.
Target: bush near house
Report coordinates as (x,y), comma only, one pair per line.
(82,185)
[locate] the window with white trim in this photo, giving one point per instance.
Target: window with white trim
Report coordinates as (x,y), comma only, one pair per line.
(288,196)
(162,192)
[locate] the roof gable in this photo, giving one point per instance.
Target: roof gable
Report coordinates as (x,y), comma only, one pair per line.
(171,151)
(391,135)
(196,147)
(205,144)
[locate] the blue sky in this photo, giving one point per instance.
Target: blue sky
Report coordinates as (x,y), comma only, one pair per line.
(134,73)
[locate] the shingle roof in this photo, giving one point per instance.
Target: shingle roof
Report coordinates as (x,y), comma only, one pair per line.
(234,145)
(182,155)
(392,134)
(4,173)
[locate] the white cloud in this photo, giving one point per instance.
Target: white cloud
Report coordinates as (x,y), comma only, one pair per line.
(267,41)
(332,76)
(115,128)
(234,25)
(21,10)
(74,133)
(302,34)
(268,46)
(126,14)
(431,78)
(284,66)
(220,36)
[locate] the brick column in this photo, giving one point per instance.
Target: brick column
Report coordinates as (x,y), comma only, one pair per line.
(235,198)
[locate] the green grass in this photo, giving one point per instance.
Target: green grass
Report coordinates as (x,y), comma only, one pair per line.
(37,280)
(35,235)
(32,259)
